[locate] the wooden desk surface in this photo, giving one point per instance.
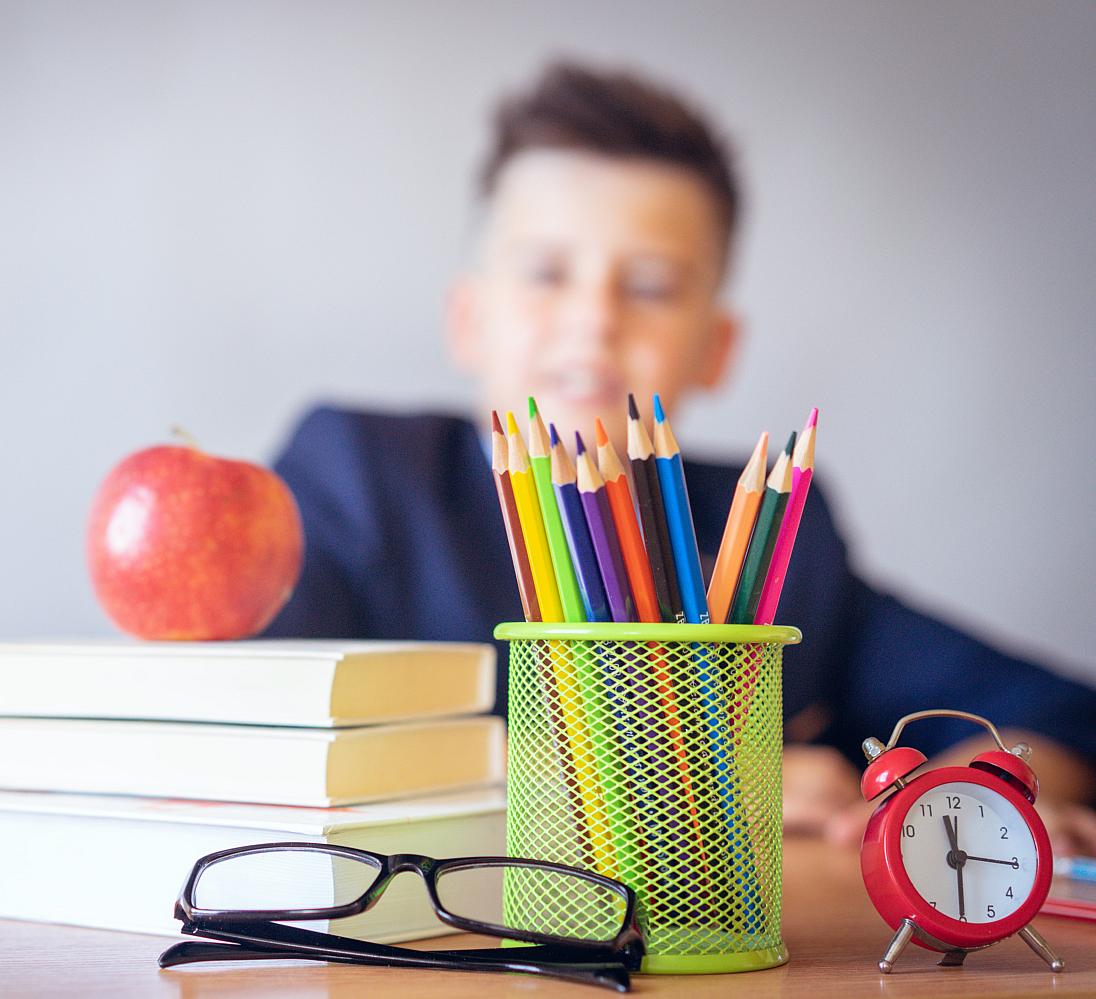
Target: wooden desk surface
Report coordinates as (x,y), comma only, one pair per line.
(834,936)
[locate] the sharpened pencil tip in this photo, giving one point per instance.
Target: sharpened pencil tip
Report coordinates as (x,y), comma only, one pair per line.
(633,409)
(553,437)
(790,446)
(532,408)
(660,414)
(496,424)
(511,423)
(580,448)
(812,420)
(599,430)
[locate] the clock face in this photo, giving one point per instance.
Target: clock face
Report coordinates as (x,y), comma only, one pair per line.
(968,852)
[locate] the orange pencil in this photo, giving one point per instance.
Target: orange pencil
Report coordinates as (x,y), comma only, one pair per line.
(636,563)
(499,466)
(736,535)
(638,567)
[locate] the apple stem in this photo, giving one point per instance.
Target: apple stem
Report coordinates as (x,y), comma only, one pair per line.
(186,437)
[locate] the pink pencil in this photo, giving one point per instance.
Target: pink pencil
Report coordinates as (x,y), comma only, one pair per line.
(802,471)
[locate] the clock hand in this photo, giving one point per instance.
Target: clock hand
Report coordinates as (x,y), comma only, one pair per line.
(990,860)
(960,859)
(953,834)
(956,858)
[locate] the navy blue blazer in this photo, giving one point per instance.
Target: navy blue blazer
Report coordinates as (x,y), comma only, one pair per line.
(404,541)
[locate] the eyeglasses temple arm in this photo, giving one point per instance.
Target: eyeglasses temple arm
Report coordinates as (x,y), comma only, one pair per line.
(193,951)
(271,936)
(611,975)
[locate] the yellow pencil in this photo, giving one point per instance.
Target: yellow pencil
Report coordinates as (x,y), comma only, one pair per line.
(532,525)
(563,687)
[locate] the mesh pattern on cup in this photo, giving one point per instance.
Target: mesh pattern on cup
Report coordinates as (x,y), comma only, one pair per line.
(657,763)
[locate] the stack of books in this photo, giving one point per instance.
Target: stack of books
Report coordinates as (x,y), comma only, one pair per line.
(122,763)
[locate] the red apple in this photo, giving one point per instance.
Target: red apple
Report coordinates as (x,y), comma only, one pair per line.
(184,545)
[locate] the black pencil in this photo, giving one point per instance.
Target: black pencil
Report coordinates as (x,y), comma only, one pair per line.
(652,516)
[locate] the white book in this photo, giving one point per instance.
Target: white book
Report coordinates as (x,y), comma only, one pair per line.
(119,863)
(284,766)
(258,682)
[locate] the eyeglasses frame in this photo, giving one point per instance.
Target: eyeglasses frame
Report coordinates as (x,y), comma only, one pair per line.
(555,955)
(277,942)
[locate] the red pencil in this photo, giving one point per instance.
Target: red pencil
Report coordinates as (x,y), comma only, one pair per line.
(802,473)
(636,563)
(500,467)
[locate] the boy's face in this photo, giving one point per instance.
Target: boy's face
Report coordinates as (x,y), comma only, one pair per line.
(597,277)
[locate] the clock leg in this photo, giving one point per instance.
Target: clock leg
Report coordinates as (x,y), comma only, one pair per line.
(953,958)
(896,946)
(1042,948)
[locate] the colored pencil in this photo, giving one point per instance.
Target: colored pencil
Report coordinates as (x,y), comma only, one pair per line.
(619,760)
(714,773)
(583,559)
(564,572)
(636,562)
(532,525)
(564,701)
(755,728)
(643,589)
(736,535)
(595,504)
(514,538)
(605,767)
(802,472)
(679,520)
(760,553)
(652,515)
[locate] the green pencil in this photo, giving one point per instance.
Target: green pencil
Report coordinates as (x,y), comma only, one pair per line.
(540,458)
(575,673)
(755,566)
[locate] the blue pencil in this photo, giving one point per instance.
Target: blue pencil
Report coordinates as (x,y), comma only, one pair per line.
(714,703)
(583,557)
(679,519)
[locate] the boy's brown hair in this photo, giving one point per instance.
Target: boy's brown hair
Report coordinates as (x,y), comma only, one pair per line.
(617,114)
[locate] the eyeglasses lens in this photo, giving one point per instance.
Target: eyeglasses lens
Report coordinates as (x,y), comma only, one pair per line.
(532,899)
(283,879)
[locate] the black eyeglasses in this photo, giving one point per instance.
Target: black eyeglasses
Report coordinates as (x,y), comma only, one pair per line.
(581,925)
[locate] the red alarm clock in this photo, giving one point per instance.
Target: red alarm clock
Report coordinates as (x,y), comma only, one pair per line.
(956,858)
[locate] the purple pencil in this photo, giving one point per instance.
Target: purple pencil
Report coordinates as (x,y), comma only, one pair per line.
(599,518)
(590,587)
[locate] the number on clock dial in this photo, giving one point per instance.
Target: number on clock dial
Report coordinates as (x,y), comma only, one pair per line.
(987,826)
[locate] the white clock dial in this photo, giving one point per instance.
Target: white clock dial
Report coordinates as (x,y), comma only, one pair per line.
(995,857)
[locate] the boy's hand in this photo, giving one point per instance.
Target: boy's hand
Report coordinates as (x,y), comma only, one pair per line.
(822,798)
(822,793)
(1072,827)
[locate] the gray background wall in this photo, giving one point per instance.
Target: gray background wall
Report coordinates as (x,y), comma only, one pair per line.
(213,213)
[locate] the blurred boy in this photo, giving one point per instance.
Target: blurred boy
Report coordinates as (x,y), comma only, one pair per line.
(609,215)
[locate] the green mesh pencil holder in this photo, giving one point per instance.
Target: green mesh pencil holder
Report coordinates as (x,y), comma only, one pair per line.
(652,753)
